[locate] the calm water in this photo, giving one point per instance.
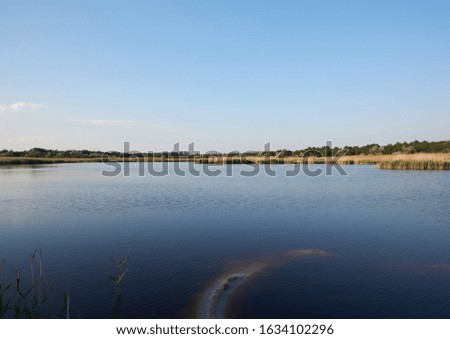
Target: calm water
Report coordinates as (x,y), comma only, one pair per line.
(388,233)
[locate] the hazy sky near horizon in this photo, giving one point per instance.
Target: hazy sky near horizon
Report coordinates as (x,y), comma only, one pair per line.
(227,75)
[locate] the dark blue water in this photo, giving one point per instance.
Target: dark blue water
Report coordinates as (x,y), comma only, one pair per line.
(388,233)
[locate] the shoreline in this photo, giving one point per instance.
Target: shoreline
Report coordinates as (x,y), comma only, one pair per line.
(417,161)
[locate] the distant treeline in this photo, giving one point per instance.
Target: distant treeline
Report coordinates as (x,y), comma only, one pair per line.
(375,149)
(372,149)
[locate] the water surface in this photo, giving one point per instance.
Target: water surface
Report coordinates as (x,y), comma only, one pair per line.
(388,231)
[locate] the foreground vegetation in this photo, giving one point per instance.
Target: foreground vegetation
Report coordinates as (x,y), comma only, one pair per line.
(32,299)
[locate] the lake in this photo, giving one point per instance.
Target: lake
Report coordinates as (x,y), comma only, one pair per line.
(386,235)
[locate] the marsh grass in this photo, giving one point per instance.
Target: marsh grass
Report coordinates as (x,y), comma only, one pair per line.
(414,165)
(65,310)
(117,279)
(23,300)
(419,161)
(34,300)
(28,299)
(5,301)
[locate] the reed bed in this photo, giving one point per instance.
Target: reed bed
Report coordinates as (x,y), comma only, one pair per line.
(414,165)
(419,161)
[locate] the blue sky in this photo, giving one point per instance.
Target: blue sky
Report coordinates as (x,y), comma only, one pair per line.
(227,75)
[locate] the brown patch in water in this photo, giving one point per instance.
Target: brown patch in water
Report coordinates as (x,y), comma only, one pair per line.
(214,299)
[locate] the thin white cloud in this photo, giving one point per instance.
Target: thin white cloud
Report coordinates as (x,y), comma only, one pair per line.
(20,106)
(100,122)
(30,139)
